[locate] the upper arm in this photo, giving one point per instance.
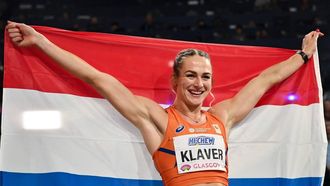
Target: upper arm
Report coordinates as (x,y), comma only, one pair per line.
(148,116)
(137,110)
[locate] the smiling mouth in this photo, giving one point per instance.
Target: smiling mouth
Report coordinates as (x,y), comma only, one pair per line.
(195,93)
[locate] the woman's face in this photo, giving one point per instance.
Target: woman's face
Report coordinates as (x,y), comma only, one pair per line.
(195,80)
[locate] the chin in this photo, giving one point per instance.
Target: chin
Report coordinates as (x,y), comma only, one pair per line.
(196,101)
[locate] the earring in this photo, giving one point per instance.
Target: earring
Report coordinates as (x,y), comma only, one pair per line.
(173,91)
(213,98)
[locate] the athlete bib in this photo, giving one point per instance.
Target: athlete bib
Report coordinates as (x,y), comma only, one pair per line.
(200,152)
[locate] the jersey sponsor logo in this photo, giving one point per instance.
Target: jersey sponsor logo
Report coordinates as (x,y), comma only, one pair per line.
(185,167)
(199,129)
(201,140)
(202,154)
(179,129)
(216,128)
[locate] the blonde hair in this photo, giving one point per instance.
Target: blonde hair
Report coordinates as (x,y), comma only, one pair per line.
(182,55)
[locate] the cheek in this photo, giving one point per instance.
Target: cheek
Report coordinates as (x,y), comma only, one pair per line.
(208,85)
(183,82)
(178,86)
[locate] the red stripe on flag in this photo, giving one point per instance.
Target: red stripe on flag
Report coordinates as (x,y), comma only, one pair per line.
(144,66)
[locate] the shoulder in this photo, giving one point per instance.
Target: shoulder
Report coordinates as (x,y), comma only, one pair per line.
(158,115)
(220,112)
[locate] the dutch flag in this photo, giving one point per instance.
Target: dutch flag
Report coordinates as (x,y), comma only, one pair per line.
(57,131)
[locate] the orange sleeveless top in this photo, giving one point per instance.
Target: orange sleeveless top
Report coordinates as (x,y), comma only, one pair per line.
(192,154)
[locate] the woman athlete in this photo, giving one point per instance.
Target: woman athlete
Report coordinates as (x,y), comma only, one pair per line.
(188,145)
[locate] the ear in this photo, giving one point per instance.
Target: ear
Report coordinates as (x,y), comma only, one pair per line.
(174,83)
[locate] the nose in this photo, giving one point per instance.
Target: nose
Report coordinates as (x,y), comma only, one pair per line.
(198,82)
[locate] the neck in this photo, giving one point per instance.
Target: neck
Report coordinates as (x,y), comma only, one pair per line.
(191,113)
(187,109)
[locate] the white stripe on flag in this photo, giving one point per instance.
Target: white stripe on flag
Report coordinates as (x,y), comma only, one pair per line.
(278,141)
(275,141)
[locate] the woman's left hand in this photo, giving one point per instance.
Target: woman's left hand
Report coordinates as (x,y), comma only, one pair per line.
(310,42)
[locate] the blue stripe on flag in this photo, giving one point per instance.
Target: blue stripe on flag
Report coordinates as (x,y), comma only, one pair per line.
(306,181)
(66,179)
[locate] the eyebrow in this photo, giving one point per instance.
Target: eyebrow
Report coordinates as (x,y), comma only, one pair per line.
(205,73)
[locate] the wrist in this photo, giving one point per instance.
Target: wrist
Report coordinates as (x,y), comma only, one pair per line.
(303,55)
(41,41)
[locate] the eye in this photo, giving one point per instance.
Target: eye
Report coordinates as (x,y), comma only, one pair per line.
(206,77)
(190,76)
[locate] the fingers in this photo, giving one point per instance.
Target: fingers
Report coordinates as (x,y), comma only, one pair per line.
(11,24)
(319,32)
(14,32)
(309,35)
(309,43)
(22,35)
(12,27)
(314,34)
(16,36)
(17,39)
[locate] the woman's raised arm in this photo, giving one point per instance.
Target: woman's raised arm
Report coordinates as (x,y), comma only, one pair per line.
(142,112)
(233,110)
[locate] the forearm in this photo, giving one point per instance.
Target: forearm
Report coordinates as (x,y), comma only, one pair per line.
(236,108)
(245,100)
(105,84)
(279,72)
(283,70)
(70,62)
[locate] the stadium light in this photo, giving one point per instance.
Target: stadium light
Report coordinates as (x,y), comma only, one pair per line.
(41,120)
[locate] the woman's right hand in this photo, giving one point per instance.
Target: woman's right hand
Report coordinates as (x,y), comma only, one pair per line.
(23,35)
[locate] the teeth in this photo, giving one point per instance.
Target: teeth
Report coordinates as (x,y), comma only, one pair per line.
(195,92)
